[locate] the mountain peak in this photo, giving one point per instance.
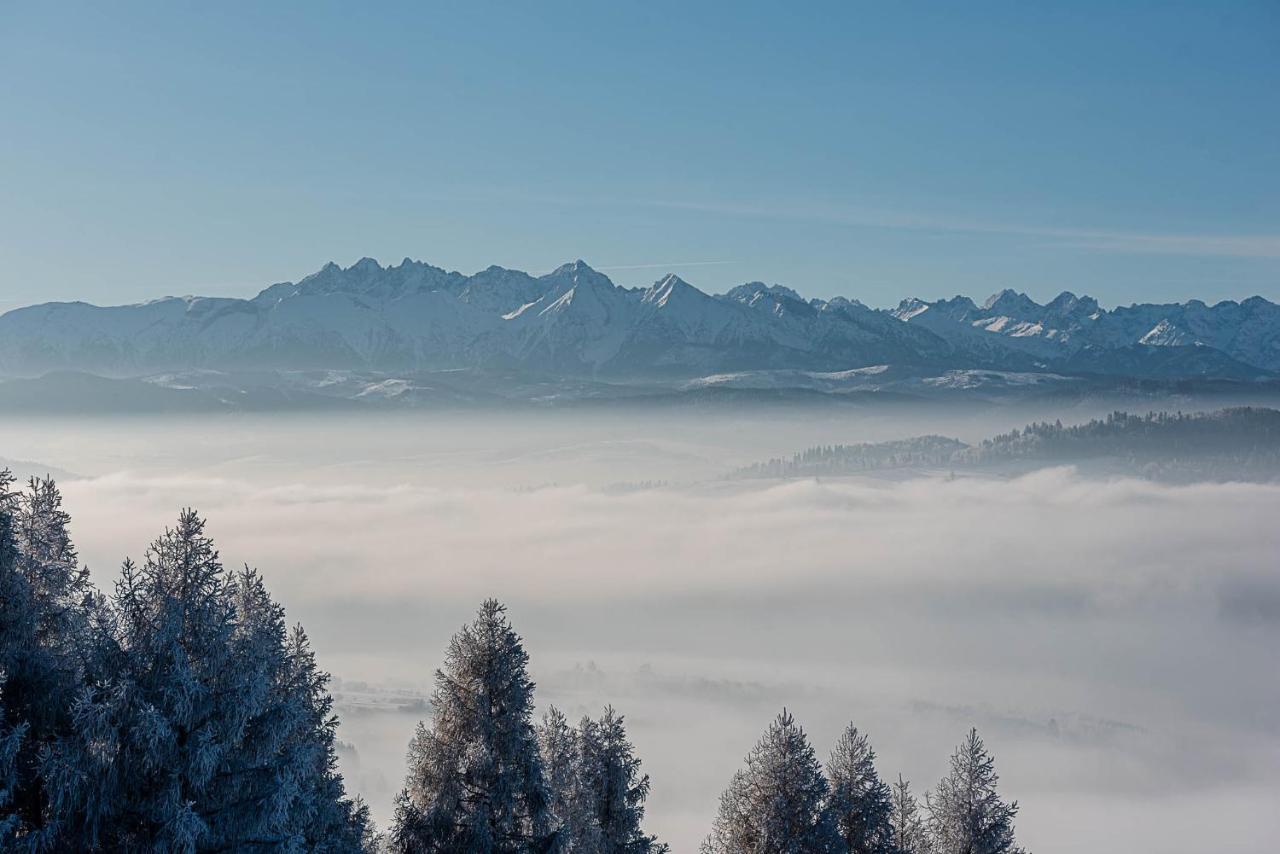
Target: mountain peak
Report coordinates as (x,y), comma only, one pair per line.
(1012,303)
(661,291)
(575,274)
(671,280)
(1168,334)
(1068,304)
(752,290)
(578,267)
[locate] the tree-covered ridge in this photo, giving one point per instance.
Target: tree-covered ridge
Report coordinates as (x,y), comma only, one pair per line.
(1237,443)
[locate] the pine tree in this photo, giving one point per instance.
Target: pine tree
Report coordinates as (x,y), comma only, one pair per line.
(475,781)
(210,727)
(859,802)
(966,814)
(279,786)
(328,821)
(10,743)
(45,608)
(257,786)
(49,561)
(909,833)
(777,803)
(153,738)
(615,790)
(558,747)
(14,618)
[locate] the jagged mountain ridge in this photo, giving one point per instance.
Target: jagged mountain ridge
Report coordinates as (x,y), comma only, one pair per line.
(574,321)
(1248,331)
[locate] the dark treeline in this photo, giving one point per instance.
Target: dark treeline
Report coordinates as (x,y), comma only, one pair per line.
(181,713)
(1239,443)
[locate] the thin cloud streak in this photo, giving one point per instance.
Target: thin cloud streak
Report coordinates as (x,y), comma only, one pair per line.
(663,266)
(1220,245)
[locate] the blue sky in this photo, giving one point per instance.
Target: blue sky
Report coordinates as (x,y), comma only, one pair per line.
(1126,150)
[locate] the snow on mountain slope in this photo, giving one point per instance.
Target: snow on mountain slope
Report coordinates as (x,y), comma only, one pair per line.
(575,322)
(497,290)
(1248,331)
(368,279)
(126,338)
(581,322)
(1165,334)
(838,333)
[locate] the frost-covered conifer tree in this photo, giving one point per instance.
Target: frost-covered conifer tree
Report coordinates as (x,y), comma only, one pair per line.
(49,560)
(210,728)
(45,605)
(859,802)
(153,739)
(615,790)
(279,784)
(558,746)
(777,803)
(475,781)
(326,820)
(14,617)
(257,785)
(909,833)
(10,742)
(966,814)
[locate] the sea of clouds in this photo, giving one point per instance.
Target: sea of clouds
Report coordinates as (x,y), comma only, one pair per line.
(1114,640)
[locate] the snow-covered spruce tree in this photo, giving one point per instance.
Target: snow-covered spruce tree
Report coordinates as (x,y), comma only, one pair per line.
(11,738)
(909,833)
(153,737)
(475,781)
(558,746)
(14,618)
(50,563)
(614,789)
(10,742)
(777,803)
(859,801)
(279,785)
(966,814)
(45,607)
(327,821)
(257,784)
(196,736)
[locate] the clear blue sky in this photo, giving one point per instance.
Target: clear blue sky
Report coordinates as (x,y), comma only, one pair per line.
(1127,150)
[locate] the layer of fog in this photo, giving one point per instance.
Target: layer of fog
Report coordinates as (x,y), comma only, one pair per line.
(1114,640)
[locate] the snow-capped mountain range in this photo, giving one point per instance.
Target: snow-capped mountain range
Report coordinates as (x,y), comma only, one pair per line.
(575,322)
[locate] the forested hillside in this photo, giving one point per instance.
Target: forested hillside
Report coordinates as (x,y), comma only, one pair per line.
(1242,443)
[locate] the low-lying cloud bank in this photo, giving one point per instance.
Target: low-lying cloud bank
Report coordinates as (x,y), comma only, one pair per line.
(1123,540)
(1115,639)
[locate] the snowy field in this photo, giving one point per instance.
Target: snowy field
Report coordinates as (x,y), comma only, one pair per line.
(1113,640)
